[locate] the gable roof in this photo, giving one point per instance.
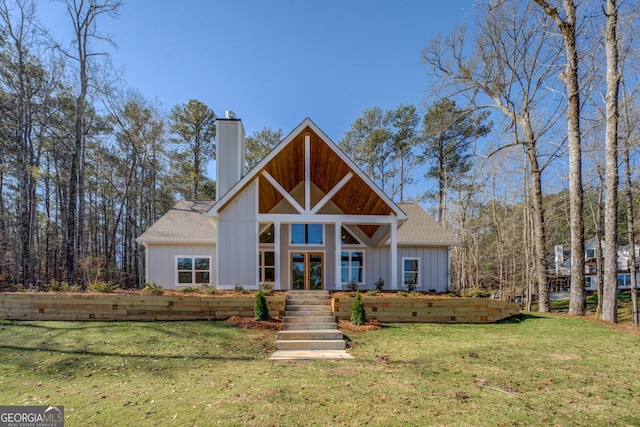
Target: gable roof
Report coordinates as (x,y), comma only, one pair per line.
(422,229)
(329,165)
(184,222)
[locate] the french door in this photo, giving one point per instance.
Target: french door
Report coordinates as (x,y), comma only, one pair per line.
(307,270)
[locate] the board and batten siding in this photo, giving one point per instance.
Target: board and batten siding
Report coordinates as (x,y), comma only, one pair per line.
(434,266)
(163,259)
(237,238)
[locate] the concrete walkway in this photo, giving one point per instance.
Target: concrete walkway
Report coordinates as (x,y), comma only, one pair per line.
(311,332)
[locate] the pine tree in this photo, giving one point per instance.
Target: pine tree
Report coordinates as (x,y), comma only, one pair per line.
(357,311)
(260,308)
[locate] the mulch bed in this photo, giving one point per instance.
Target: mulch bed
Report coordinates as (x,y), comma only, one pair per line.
(370,325)
(273,324)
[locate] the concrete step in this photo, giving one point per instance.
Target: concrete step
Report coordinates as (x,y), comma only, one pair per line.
(301,318)
(297,292)
(310,345)
(310,308)
(310,326)
(312,334)
(310,355)
(309,301)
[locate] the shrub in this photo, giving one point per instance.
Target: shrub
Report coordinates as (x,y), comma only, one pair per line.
(266,287)
(56,286)
(189,289)
(352,286)
(238,288)
(154,288)
(379,285)
(373,292)
(104,287)
(260,307)
(402,293)
(411,287)
(209,289)
(358,315)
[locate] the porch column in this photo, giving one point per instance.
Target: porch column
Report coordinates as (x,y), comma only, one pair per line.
(276,253)
(393,253)
(338,256)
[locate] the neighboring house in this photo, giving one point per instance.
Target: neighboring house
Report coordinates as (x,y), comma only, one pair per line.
(563,266)
(306,217)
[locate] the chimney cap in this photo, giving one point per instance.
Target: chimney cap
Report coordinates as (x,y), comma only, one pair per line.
(229,114)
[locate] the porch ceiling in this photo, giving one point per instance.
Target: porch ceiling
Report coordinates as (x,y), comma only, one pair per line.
(327,169)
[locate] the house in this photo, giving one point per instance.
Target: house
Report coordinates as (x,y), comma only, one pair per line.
(306,217)
(563,266)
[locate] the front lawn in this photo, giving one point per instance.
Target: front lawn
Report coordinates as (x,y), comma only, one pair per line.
(530,370)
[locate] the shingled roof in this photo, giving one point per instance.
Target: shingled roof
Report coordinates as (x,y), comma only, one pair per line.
(185,222)
(422,229)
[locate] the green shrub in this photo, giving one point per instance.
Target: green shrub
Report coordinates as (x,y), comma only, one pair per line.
(352,286)
(476,293)
(154,288)
(379,285)
(63,287)
(411,287)
(189,289)
(373,293)
(209,289)
(104,287)
(238,288)
(266,287)
(260,307)
(402,293)
(358,315)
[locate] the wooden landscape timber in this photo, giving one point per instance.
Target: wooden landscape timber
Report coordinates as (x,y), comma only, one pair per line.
(78,306)
(428,310)
(97,306)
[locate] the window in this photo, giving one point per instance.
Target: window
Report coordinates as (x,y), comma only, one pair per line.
(352,265)
(267,235)
(624,281)
(267,271)
(411,272)
(306,234)
(193,270)
(346,238)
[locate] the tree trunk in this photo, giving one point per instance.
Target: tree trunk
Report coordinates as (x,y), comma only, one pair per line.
(610,292)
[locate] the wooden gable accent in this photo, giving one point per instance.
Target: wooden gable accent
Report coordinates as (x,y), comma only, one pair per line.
(327,170)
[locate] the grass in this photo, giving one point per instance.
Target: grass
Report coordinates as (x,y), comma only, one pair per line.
(528,370)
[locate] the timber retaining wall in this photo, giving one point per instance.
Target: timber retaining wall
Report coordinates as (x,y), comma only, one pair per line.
(78,306)
(72,306)
(429,310)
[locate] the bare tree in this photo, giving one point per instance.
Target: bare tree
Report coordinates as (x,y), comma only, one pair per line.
(610,291)
(510,68)
(567,27)
(84,15)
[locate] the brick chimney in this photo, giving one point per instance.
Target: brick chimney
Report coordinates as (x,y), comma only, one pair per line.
(230,146)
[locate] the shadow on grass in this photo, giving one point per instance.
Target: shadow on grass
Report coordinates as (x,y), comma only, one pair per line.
(124,355)
(520,318)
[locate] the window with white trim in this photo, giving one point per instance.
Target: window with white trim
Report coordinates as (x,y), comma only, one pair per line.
(307,234)
(267,268)
(193,270)
(352,267)
(411,271)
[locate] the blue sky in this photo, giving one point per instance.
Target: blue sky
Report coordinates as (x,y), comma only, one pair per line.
(275,62)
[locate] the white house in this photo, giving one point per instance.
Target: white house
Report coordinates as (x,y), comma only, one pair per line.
(563,265)
(306,217)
